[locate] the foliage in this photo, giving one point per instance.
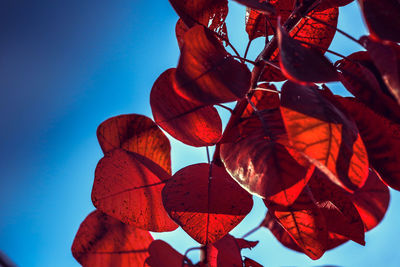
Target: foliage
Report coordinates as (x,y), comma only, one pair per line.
(320,162)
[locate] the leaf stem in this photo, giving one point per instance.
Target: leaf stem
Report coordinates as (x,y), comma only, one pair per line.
(245,60)
(185,258)
(247,48)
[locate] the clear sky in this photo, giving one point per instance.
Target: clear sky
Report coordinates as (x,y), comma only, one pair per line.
(65,66)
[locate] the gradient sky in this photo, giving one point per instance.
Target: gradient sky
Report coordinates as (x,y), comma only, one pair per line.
(66,66)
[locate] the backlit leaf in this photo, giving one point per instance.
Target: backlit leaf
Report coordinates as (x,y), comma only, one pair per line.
(128,187)
(307,227)
(136,133)
(103,241)
(372,201)
(257,155)
(190,123)
(207,209)
(324,134)
(382,18)
(302,64)
(206,73)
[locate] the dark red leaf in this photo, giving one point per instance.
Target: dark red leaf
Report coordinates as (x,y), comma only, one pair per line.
(382,18)
(257,155)
(302,64)
(162,253)
(226,252)
(206,73)
(361,78)
(372,201)
(209,13)
(324,135)
(336,206)
(136,133)
(103,241)
(386,58)
(128,187)
(206,209)
(193,124)
(381,138)
(308,31)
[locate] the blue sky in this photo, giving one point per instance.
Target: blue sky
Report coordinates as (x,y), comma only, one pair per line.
(66,66)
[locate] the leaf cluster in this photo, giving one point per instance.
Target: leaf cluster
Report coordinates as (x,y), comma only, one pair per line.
(321,163)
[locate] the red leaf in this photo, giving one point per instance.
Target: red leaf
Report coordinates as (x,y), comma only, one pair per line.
(193,124)
(206,209)
(226,252)
(301,64)
(136,133)
(386,58)
(361,78)
(128,187)
(324,135)
(209,13)
(381,138)
(382,18)
(104,241)
(307,227)
(206,73)
(372,201)
(161,252)
(257,155)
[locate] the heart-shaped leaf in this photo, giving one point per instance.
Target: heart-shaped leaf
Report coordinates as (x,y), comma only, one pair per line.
(128,187)
(104,241)
(324,134)
(382,18)
(205,201)
(206,73)
(193,124)
(136,133)
(302,64)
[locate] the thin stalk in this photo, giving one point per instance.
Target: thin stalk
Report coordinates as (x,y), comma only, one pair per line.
(225,107)
(245,60)
(247,48)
